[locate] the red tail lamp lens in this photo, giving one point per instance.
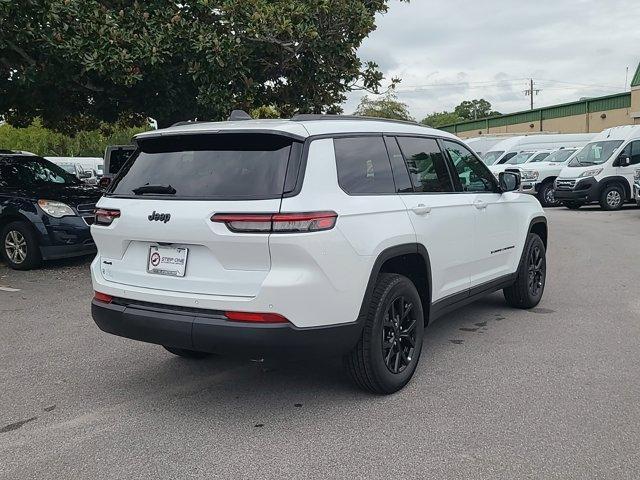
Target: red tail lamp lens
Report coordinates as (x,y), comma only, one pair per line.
(255,317)
(105,216)
(277,222)
(102,297)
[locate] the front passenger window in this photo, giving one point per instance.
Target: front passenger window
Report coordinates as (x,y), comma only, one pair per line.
(472,174)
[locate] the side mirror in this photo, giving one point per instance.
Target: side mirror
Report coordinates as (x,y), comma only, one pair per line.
(509,181)
(104,183)
(623,160)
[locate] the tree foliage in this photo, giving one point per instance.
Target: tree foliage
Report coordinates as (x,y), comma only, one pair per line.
(40,140)
(467,110)
(386,106)
(76,63)
(474,109)
(438,119)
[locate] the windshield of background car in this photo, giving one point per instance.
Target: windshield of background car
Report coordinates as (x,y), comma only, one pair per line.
(539,157)
(595,153)
(69,167)
(30,171)
(491,157)
(560,156)
(520,158)
(217,166)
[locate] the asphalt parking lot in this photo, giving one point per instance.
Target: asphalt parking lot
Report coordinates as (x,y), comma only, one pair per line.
(548,393)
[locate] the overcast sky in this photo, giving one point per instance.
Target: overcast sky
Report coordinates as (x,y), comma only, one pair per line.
(447,51)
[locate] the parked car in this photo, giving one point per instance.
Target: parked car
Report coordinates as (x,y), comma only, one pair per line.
(91,164)
(602,171)
(45,212)
(636,187)
(505,150)
(538,178)
(319,235)
(85,176)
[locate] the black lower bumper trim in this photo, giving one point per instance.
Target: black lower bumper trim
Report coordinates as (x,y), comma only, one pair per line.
(211,332)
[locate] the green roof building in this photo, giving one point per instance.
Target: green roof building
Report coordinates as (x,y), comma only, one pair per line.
(590,115)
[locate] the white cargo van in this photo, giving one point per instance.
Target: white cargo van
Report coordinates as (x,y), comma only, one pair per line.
(509,148)
(602,171)
(538,178)
(521,159)
(482,145)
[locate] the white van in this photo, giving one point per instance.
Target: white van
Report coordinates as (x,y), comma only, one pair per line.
(538,178)
(509,148)
(523,158)
(602,171)
(483,144)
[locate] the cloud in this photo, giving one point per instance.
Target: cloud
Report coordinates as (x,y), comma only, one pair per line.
(450,51)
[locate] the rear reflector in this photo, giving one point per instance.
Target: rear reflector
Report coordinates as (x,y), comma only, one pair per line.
(277,222)
(255,317)
(105,216)
(102,297)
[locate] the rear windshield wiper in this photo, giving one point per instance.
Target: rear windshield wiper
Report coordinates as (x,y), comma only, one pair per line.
(160,189)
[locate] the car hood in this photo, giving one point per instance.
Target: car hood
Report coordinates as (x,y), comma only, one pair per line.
(72,195)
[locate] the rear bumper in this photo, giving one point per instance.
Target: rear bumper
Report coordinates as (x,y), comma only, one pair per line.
(586,190)
(210,331)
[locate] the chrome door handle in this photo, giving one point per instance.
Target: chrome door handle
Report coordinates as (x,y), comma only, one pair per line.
(480,205)
(421,209)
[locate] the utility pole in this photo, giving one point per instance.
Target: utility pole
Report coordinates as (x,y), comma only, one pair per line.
(531,91)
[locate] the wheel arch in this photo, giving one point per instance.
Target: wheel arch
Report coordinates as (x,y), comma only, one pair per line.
(538,225)
(411,260)
(9,217)
(616,179)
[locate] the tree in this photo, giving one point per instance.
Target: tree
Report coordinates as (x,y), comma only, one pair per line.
(75,63)
(475,109)
(387,106)
(438,119)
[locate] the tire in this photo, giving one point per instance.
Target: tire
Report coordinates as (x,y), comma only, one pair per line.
(546,195)
(572,205)
(19,246)
(184,353)
(612,197)
(384,359)
(526,292)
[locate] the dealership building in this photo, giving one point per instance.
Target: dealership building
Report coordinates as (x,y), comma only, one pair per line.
(591,115)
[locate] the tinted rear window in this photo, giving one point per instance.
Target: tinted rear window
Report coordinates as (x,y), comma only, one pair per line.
(223,166)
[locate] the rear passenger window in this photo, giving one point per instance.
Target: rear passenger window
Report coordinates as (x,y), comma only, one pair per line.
(426,164)
(363,166)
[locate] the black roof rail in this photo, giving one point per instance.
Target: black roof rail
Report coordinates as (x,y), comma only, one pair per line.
(188,122)
(305,117)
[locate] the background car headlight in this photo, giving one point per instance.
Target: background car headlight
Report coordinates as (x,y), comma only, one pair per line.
(529,174)
(591,173)
(56,209)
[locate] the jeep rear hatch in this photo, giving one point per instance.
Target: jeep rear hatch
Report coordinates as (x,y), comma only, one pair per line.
(167,194)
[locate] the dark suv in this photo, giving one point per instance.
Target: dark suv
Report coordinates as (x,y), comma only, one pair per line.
(45,212)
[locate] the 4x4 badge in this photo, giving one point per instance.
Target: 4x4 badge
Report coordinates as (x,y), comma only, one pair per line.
(159,217)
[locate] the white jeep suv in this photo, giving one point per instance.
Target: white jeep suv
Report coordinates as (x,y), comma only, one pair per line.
(318,235)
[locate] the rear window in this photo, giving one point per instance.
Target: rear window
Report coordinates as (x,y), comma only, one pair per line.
(221,166)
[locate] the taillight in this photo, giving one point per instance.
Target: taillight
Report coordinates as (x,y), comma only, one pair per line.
(102,297)
(277,222)
(255,317)
(105,216)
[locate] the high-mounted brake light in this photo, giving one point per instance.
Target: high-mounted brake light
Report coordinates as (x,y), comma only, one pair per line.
(105,216)
(277,222)
(255,317)
(102,297)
